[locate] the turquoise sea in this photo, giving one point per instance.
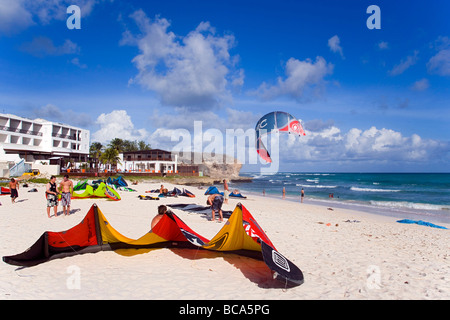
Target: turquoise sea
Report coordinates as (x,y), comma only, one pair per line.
(406,195)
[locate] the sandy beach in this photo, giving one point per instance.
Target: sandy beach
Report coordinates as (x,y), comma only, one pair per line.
(343,254)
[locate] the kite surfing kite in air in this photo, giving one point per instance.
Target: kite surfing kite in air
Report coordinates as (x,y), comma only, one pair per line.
(272,122)
(240,235)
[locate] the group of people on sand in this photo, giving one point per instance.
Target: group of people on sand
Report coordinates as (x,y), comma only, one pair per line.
(52,192)
(214,200)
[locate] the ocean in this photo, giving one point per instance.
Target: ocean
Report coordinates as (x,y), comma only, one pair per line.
(424,196)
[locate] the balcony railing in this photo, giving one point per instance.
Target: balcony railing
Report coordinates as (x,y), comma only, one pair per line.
(63,136)
(17,130)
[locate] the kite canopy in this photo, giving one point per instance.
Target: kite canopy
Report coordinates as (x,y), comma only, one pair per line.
(277,120)
(118,182)
(214,190)
(4,191)
(98,191)
(241,234)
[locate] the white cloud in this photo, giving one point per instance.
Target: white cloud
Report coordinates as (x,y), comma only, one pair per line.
(404,64)
(55,113)
(117,124)
(382,145)
(76,62)
(192,71)
(440,63)
(17,15)
(302,78)
(383,45)
(335,45)
(421,85)
(43,46)
(14,17)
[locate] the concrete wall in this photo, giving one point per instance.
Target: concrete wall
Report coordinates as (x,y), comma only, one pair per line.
(47,169)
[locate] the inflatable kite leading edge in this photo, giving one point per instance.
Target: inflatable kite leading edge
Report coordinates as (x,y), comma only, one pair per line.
(241,235)
(275,121)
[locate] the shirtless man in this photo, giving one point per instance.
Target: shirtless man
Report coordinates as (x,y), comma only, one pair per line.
(215,201)
(67,189)
(226,191)
(14,187)
(162,209)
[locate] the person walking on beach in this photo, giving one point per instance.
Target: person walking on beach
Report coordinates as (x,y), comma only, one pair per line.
(215,201)
(284,193)
(226,191)
(52,196)
(14,187)
(302,195)
(67,189)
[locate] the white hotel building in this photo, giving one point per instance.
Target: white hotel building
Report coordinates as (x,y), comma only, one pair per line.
(38,139)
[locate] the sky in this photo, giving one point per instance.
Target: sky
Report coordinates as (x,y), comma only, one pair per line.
(370,100)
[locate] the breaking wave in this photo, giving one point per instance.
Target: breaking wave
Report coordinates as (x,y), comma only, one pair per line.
(372,190)
(409,205)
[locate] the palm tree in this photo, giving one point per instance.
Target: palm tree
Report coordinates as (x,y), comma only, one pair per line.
(117,144)
(95,151)
(110,156)
(143,145)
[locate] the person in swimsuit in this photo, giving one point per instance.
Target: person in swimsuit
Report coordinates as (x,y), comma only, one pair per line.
(52,196)
(67,189)
(226,191)
(215,201)
(14,187)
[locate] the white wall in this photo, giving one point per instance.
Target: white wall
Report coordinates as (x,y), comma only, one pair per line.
(47,169)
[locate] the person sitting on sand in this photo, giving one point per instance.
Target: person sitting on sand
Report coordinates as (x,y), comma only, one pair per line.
(162,209)
(163,190)
(215,201)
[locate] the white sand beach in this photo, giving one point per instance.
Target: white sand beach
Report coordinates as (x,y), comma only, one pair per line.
(375,258)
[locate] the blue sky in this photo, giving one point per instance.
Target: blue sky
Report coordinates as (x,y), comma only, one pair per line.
(370,100)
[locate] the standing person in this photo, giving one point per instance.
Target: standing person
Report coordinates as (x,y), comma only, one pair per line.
(226,191)
(215,201)
(52,196)
(14,187)
(67,189)
(284,193)
(302,194)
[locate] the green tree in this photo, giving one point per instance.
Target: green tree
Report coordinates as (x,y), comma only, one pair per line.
(110,156)
(117,144)
(95,151)
(143,145)
(129,146)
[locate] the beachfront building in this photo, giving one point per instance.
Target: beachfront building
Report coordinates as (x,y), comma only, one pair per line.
(150,161)
(41,140)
